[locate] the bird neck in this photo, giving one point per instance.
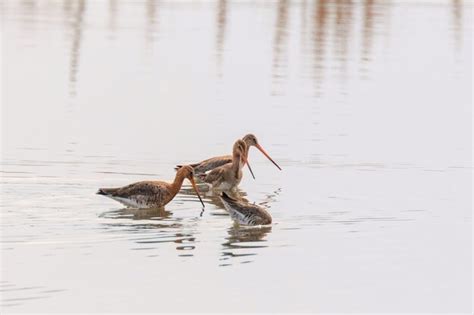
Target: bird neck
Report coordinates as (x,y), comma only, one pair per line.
(178,181)
(236,161)
(246,153)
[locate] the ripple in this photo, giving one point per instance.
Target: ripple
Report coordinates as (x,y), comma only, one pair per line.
(21,295)
(244,242)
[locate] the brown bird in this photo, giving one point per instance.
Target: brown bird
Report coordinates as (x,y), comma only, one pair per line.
(228,176)
(245,213)
(151,194)
(214,162)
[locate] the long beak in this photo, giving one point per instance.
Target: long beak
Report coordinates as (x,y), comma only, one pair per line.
(197,191)
(258,146)
(246,161)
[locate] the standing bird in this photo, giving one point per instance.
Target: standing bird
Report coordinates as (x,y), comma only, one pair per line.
(228,176)
(214,162)
(245,213)
(151,194)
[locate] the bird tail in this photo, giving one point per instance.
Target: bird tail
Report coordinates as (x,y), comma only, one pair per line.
(227,198)
(177,167)
(106,191)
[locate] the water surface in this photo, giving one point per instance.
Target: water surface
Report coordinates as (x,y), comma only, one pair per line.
(366,105)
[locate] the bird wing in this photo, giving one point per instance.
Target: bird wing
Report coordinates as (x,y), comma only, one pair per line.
(215,175)
(212,163)
(209,164)
(145,191)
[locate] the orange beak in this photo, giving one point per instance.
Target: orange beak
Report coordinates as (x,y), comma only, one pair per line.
(246,161)
(191,179)
(258,146)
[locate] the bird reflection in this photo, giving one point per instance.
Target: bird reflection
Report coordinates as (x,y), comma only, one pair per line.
(303,28)
(239,234)
(154,227)
(151,8)
(185,244)
(367,33)
(334,20)
(28,4)
(76,26)
(242,243)
(457,22)
(323,24)
(67,6)
(221,30)
(343,25)
(243,238)
(113,12)
(319,43)
(138,214)
(212,197)
(279,45)
(29,10)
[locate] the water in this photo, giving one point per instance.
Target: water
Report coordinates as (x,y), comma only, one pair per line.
(366,105)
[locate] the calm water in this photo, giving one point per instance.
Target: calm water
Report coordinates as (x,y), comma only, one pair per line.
(366,105)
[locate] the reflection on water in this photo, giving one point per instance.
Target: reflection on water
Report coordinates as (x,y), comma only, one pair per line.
(158,226)
(76,30)
(243,243)
(160,229)
(155,227)
(152,21)
(211,197)
(457,7)
(208,195)
(221,31)
(113,13)
(138,214)
(375,16)
(367,32)
(329,20)
(279,45)
(343,27)
(319,32)
(337,88)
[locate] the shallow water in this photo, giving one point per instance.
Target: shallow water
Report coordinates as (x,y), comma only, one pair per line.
(366,105)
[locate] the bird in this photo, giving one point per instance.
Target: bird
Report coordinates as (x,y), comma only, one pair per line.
(245,213)
(228,176)
(214,162)
(151,194)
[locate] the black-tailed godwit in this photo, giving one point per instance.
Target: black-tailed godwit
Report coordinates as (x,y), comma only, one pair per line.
(151,194)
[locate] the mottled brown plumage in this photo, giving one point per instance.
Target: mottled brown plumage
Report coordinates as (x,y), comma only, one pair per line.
(245,213)
(228,176)
(214,162)
(210,164)
(151,194)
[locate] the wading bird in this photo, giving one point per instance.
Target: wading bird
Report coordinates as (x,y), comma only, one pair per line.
(245,213)
(228,176)
(151,194)
(214,162)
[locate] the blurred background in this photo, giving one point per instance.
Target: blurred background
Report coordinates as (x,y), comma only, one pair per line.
(366,105)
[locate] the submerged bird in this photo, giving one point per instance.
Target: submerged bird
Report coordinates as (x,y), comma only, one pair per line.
(228,176)
(151,194)
(245,213)
(214,162)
